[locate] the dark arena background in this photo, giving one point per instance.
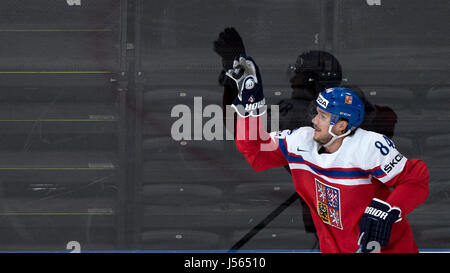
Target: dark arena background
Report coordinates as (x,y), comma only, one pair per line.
(88,161)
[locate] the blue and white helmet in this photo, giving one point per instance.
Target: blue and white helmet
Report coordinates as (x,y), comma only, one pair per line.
(342,103)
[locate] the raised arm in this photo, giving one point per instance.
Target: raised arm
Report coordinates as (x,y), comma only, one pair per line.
(252,140)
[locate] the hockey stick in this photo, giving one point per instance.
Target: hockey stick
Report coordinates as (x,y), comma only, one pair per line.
(265,222)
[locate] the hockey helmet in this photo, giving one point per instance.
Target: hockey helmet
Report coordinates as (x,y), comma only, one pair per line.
(342,103)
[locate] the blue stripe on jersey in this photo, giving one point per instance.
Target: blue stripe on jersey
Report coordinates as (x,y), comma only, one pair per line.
(329,173)
(283,148)
(377,173)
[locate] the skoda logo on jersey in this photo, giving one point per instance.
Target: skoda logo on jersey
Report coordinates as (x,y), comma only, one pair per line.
(391,165)
(249,83)
(322,101)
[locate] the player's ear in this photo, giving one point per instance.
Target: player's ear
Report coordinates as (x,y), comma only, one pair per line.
(341,125)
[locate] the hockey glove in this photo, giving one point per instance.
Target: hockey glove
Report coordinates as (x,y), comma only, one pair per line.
(376,224)
(250,99)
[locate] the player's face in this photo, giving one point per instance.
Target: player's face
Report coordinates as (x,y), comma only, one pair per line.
(321,124)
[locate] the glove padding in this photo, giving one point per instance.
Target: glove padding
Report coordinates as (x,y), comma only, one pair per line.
(376,224)
(250,100)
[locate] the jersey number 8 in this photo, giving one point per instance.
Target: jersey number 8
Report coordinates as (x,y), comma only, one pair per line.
(384,150)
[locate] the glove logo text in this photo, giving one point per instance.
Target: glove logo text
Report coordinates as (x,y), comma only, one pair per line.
(376,213)
(254,106)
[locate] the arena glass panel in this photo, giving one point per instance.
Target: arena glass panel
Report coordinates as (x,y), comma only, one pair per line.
(59,122)
(209,187)
(389,51)
(398,54)
(89,94)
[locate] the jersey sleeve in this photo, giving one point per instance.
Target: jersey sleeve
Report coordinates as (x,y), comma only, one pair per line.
(408,177)
(410,186)
(259,147)
(382,158)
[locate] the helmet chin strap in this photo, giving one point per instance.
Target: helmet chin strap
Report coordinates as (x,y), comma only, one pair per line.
(335,136)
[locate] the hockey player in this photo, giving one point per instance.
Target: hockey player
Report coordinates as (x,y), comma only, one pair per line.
(343,173)
(313,71)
